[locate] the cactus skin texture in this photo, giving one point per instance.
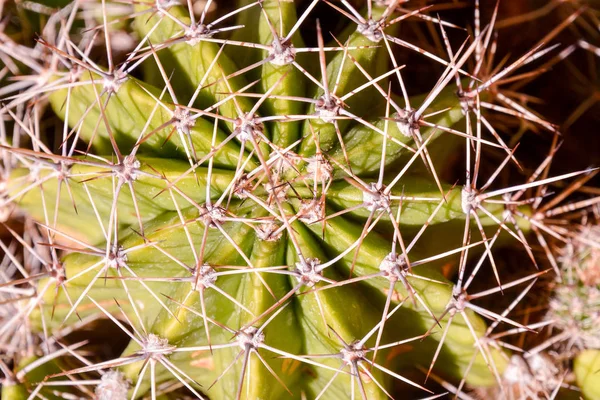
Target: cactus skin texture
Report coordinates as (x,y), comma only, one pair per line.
(261,218)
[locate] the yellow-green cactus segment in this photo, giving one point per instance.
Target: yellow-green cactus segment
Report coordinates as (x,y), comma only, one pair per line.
(191,58)
(373,58)
(587,373)
(459,344)
(20,390)
(285,78)
(87,198)
(139,113)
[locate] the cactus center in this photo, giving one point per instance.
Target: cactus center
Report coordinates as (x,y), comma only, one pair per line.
(394,266)
(205,276)
(509,207)
(467,103)
(62,169)
(268,231)
(212,216)
(248,128)
(328,108)
(112,82)
(182,120)
(372,30)
(194,34)
(353,353)
(250,338)
(311,211)
(243,187)
(57,271)
(319,168)
(459,300)
(117,258)
(281,52)
(308,273)
(376,198)
(127,170)
(406,122)
(469,199)
(154,346)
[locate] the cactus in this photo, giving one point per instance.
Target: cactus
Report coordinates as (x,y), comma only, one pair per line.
(261,208)
(586,368)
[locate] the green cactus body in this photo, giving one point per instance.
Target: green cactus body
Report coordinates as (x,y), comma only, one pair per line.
(237,278)
(31,369)
(587,368)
